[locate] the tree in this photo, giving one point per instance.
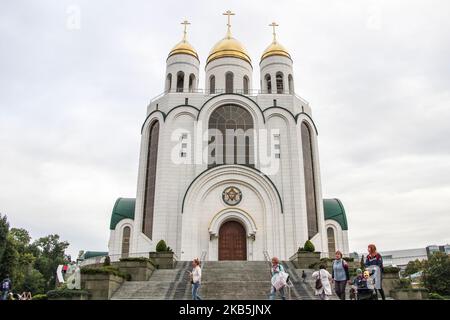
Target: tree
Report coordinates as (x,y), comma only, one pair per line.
(362,263)
(413,267)
(436,274)
(4,230)
(50,255)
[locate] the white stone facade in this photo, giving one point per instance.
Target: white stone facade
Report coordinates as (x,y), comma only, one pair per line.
(188,205)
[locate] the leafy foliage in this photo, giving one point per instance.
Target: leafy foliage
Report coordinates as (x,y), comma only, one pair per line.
(161,246)
(31,266)
(308,247)
(65,293)
(390,269)
(436,274)
(413,267)
(105,270)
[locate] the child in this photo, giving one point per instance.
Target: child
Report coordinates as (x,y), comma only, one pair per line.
(364,285)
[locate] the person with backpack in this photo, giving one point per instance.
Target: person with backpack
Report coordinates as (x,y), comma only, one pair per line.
(6,287)
(278,279)
(340,275)
(322,283)
(374,263)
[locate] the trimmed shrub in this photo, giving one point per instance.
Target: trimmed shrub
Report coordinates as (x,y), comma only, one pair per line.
(40,297)
(404,284)
(161,246)
(107,261)
(391,270)
(309,246)
(348,259)
(106,270)
(136,259)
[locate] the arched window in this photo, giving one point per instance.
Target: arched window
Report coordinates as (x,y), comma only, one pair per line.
(150,180)
(291,84)
(126,234)
(229,82)
(191,82)
(279,81)
(180,81)
(232,141)
(331,242)
(212,84)
(245,85)
(169,82)
(310,185)
(268,83)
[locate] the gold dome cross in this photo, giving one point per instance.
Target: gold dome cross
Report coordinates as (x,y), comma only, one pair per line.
(229,14)
(185,23)
(274,25)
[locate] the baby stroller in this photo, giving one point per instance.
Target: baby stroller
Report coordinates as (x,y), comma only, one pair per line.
(364,287)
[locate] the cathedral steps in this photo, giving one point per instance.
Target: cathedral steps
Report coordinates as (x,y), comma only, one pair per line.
(231,280)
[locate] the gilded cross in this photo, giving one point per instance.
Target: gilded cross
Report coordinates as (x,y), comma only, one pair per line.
(274,25)
(229,14)
(185,23)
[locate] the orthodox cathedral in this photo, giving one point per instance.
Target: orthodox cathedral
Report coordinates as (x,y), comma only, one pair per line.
(231,171)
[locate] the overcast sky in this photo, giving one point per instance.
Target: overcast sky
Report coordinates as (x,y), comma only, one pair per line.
(73,99)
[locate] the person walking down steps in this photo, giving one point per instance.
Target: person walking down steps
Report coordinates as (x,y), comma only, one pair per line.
(279,279)
(340,275)
(322,280)
(196,278)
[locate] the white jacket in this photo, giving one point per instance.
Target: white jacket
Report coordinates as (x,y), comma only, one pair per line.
(326,278)
(197,274)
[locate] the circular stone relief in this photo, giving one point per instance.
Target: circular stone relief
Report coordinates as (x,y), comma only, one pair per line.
(232,196)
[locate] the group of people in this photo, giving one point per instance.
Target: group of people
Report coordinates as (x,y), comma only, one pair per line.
(366,285)
(8,294)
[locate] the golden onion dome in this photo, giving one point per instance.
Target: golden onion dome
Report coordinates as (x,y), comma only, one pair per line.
(275,48)
(184,47)
(228,46)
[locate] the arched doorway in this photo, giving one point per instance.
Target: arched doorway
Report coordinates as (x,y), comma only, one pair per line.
(232,241)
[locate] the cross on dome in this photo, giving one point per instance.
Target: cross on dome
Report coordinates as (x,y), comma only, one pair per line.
(185,23)
(228,13)
(274,25)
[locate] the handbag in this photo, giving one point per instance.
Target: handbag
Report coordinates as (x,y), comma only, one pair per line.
(319,282)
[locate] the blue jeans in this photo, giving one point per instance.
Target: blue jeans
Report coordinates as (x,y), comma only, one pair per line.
(4,295)
(195,288)
(273,293)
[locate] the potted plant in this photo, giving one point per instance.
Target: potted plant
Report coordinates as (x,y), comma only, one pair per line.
(164,257)
(305,256)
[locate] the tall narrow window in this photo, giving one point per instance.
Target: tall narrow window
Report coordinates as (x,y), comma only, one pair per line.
(291,84)
(191,83)
(180,81)
(232,140)
(212,84)
(331,242)
(245,85)
(279,81)
(169,82)
(268,83)
(126,233)
(229,82)
(150,180)
(310,185)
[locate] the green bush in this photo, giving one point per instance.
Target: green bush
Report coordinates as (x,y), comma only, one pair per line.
(107,261)
(435,296)
(40,297)
(161,246)
(391,270)
(106,270)
(309,246)
(65,293)
(403,284)
(136,259)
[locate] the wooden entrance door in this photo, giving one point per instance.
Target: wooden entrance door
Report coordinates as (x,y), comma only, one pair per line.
(232,241)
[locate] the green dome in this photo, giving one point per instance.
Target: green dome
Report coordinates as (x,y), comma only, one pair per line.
(123,209)
(333,209)
(93,254)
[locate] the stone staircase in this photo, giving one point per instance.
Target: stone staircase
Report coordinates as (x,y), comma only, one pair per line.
(231,280)
(164,284)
